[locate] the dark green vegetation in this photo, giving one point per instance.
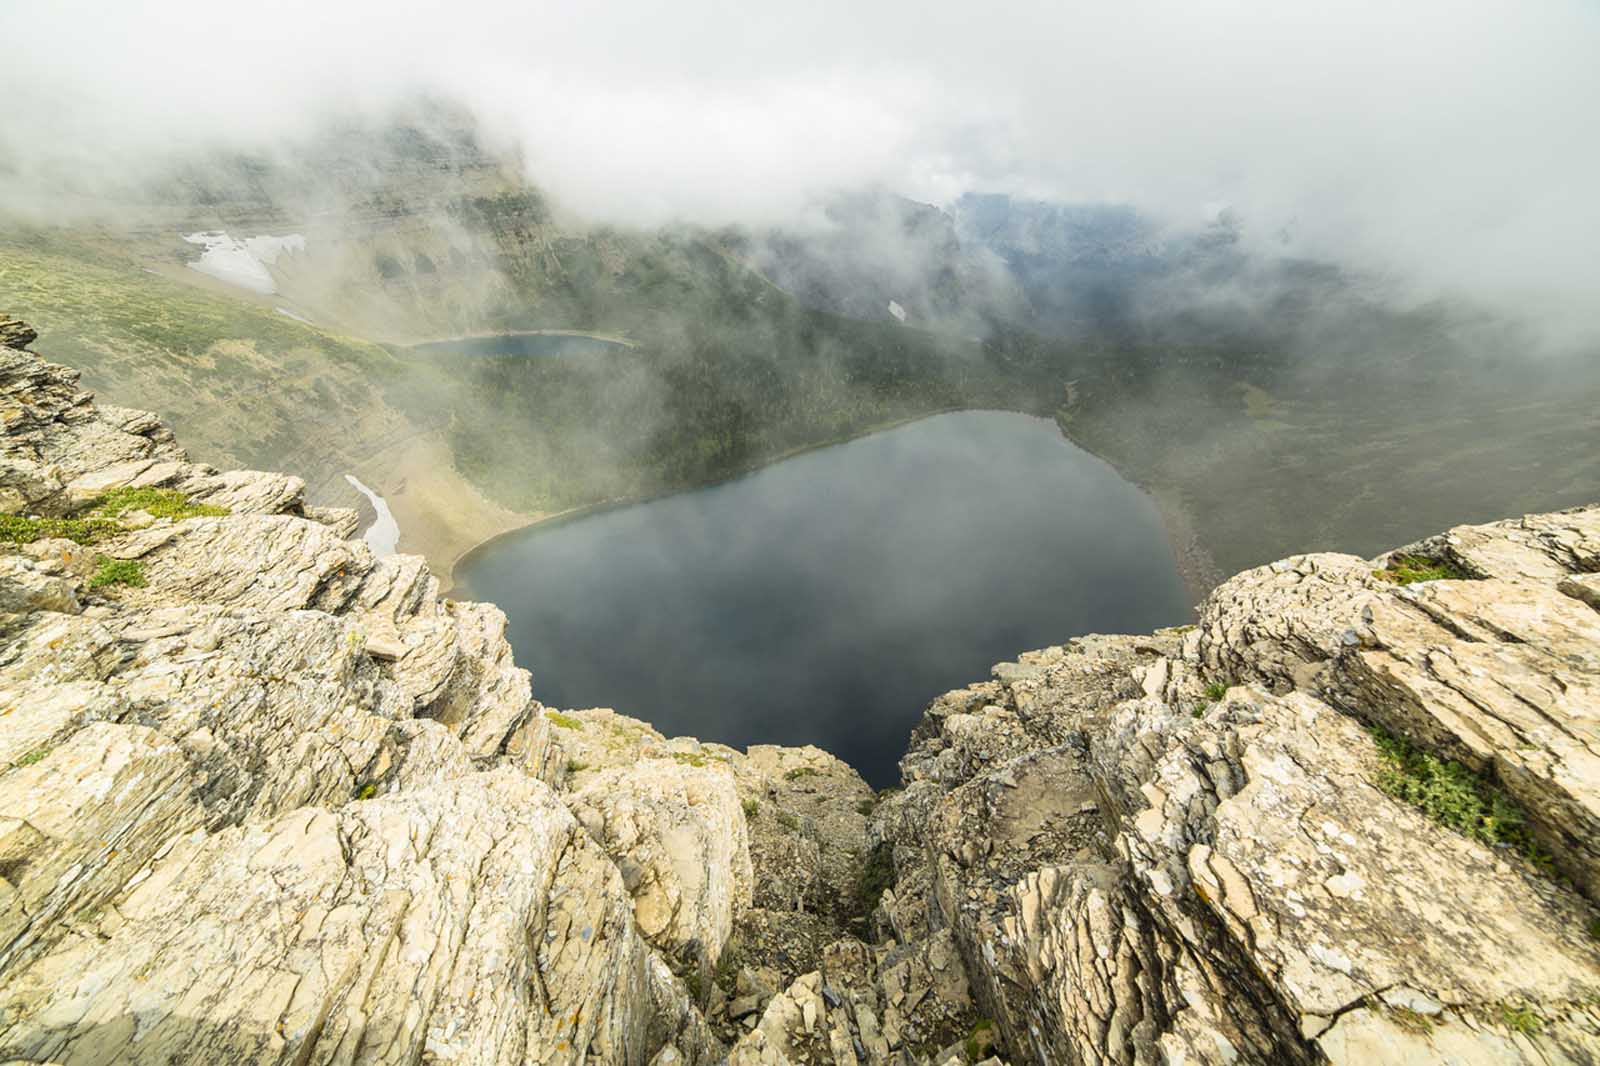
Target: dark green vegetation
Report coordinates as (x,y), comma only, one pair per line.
(1408,569)
(1213,693)
(1310,420)
(876,876)
(728,373)
(117,572)
(979,1039)
(1455,797)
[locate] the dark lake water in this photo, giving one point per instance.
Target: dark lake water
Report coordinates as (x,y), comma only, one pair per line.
(828,598)
(543,345)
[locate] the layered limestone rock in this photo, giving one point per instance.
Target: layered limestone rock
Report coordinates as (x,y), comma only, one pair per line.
(743,866)
(678,834)
(1180,848)
(419,923)
(267,798)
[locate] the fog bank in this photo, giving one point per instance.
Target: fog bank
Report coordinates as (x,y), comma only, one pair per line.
(1447,147)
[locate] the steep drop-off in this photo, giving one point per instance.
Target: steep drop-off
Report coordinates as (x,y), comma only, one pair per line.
(265,798)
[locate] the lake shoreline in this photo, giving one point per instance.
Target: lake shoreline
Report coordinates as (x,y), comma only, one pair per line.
(582,510)
(764,609)
(1196,565)
(1194,561)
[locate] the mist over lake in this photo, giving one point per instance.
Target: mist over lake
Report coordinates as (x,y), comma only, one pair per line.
(828,598)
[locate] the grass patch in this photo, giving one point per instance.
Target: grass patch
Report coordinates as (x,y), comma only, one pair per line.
(980,1036)
(83,293)
(788,821)
(36,755)
(751,808)
(802,771)
(367,791)
(573,766)
(1216,690)
(118,572)
(1522,1020)
(689,759)
(101,518)
(157,503)
(1409,569)
(1454,797)
(19,529)
(867,806)
(563,721)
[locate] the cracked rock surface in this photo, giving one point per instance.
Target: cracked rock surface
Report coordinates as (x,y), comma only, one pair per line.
(277,802)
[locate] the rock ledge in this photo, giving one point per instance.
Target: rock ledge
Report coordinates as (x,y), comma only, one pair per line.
(266,798)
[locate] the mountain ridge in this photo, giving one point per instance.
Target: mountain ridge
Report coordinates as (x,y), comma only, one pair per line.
(267,798)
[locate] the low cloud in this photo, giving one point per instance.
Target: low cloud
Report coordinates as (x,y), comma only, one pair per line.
(1447,147)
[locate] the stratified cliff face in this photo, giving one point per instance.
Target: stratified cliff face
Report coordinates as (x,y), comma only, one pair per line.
(266,798)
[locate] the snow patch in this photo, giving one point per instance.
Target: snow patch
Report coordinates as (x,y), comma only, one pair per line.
(285,312)
(383,536)
(242,263)
(897,311)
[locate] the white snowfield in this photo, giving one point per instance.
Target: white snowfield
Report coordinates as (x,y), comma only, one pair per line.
(896,310)
(242,263)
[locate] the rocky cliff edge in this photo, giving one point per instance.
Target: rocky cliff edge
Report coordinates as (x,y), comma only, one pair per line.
(266,798)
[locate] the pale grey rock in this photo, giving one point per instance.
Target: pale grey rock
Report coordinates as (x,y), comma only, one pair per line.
(26,586)
(680,827)
(1501,673)
(421,924)
(1134,873)
(1585,587)
(282,803)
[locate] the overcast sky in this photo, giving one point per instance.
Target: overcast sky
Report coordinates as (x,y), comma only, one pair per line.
(1457,143)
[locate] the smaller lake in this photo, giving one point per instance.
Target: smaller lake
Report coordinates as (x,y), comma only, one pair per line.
(827,599)
(540,345)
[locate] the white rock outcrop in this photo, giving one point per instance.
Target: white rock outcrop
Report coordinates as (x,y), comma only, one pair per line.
(266,798)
